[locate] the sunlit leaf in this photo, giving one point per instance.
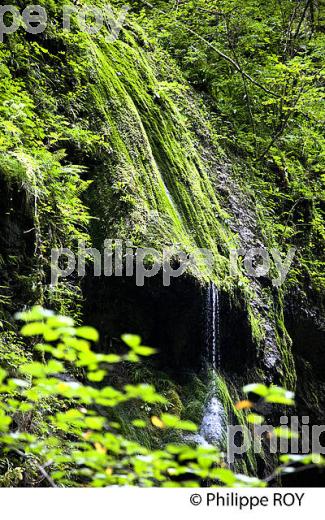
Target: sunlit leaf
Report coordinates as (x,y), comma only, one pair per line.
(87,333)
(157,422)
(131,340)
(242,405)
(256,388)
(139,423)
(254,418)
(37,313)
(60,321)
(285,433)
(33,329)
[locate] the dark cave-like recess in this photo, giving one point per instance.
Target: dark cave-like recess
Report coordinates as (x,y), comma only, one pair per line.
(171,319)
(238,350)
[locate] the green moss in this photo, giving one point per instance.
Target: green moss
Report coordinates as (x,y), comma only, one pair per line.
(175,402)
(228,396)
(155,164)
(289,376)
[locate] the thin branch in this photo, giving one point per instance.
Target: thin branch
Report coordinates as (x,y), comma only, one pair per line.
(301,20)
(288,37)
(247,96)
(281,127)
(285,121)
(218,51)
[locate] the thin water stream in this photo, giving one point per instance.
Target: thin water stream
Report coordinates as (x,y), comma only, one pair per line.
(213,422)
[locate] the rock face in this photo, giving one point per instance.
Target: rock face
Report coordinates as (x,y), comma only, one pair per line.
(306,326)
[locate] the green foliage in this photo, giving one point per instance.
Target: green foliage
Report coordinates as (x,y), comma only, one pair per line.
(271,394)
(83,445)
(76,438)
(34,164)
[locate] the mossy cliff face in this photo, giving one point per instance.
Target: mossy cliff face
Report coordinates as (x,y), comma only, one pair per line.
(167,182)
(114,127)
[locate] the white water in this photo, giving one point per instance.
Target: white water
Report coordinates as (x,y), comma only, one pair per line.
(212,425)
(213,327)
(213,422)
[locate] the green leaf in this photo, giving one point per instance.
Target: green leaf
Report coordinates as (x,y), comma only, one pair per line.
(54,367)
(5,422)
(87,333)
(226,476)
(145,392)
(171,421)
(131,340)
(206,460)
(285,433)
(254,418)
(51,335)
(60,321)
(3,375)
(55,334)
(21,383)
(71,416)
(37,313)
(112,358)
(310,458)
(132,357)
(144,351)
(33,329)
(256,388)
(34,369)
(95,423)
(25,407)
(139,423)
(280,395)
(279,399)
(96,377)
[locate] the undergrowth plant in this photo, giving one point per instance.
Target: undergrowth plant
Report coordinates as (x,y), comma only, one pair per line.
(56,418)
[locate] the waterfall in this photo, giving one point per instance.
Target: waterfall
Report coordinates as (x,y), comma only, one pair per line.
(213,327)
(213,422)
